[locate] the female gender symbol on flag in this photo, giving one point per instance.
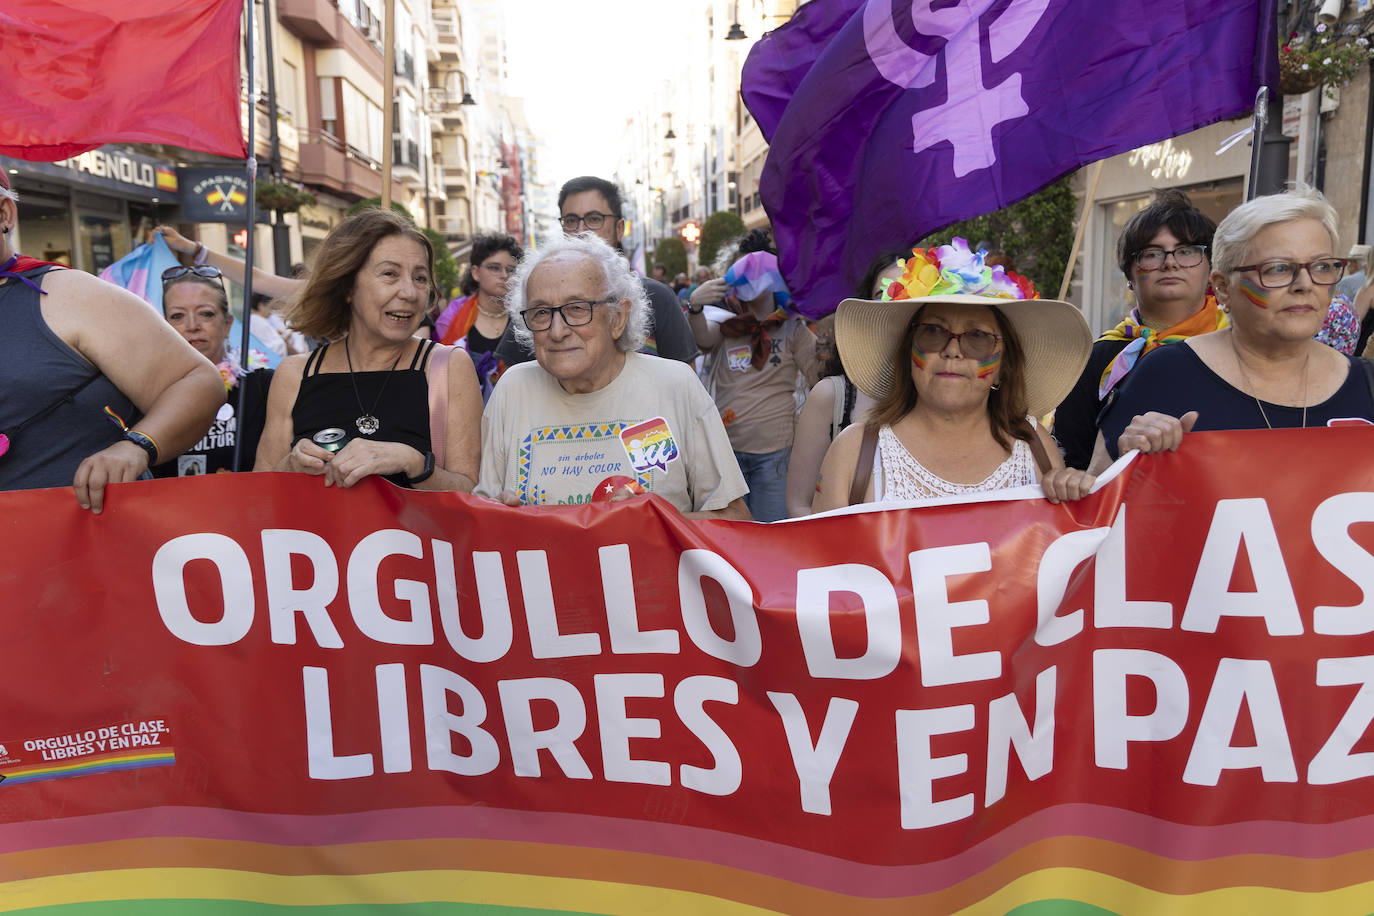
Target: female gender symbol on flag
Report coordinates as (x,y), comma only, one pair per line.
(970,109)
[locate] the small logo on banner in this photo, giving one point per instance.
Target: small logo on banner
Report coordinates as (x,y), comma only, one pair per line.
(649,444)
(738,358)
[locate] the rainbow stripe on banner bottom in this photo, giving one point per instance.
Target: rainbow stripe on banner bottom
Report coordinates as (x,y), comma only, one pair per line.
(1069,860)
(86,766)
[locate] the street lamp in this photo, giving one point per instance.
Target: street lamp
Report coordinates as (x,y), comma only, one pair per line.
(467,96)
(670,135)
(736,33)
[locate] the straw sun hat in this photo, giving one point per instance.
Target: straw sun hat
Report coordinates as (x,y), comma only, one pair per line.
(1054,336)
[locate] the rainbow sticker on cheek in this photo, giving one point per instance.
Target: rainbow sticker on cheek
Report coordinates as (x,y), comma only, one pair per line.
(1256,294)
(918,356)
(987,367)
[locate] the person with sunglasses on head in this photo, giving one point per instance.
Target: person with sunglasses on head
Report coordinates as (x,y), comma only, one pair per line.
(477,322)
(96,388)
(959,357)
(264,282)
(593,417)
(195,304)
(376,400)
(592,205)
(1163,251)
(1274,268)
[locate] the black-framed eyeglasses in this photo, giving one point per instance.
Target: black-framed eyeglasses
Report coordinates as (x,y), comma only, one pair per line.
(575,314)
(199,270)
(1184,256)
(1277,274)
(974,343)
(593,220)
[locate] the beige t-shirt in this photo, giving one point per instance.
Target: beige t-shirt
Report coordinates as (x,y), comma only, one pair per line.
(654,424)
(758,406)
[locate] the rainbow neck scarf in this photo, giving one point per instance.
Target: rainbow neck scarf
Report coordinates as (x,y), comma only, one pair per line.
(1143,339)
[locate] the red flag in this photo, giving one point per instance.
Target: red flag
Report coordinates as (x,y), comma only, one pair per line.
(82,73)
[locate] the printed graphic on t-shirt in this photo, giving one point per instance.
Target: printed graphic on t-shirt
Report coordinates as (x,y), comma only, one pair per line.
(561,465)
(190,465)
(737,359)
(650,445)
(221,435)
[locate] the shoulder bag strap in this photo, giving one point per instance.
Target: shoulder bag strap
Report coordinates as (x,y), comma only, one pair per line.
(837,414)
(863,471)
(436,374)
(1037,447)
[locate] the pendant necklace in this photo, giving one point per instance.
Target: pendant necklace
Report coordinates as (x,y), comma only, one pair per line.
(1244,377)
(367,422)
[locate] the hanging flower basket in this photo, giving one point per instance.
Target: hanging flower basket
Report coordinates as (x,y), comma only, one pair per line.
(1293,79)
(1305,63)
(283,196)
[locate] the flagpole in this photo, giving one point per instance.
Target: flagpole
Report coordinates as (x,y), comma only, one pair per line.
(388,96)
(1082,227)
(1259,122)
(251,165)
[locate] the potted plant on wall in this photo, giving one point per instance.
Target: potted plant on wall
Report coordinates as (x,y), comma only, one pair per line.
(283,196)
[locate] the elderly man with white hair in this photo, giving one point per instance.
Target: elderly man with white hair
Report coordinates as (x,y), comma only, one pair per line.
(592,418)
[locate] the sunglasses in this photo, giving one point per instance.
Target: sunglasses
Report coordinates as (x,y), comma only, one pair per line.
(199,270)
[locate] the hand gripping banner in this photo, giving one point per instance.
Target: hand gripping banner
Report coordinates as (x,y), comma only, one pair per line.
(1154,700)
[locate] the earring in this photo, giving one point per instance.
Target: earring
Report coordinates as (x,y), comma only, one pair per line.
(997,387)
(1130,284)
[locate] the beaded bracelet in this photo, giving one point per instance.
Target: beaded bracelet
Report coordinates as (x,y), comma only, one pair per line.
(201,256)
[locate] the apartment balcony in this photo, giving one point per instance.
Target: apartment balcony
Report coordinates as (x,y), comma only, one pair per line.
(454,228)
(329,163)
(318,21)
(447,39)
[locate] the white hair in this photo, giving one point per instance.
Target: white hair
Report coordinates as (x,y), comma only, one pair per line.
(1242,224)
(620,283)
(8,194)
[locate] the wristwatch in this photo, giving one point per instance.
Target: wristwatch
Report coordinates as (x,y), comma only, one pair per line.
(692,311)
(424,474)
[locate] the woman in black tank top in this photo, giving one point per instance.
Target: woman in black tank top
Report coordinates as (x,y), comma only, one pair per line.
(377,400)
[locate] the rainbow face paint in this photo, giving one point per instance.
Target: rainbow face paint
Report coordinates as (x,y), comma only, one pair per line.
(1256,294)
(987,367)
(918,356)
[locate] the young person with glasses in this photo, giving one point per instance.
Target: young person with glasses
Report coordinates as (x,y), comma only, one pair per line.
(96,388)
(1163,251)
(960,362)
(194,302)
(594,418)
(477,321)
(1274,268)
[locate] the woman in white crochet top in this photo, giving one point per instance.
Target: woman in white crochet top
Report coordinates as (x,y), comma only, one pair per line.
(960,358)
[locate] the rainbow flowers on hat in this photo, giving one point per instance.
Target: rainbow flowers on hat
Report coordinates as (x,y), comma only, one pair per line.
(755,274)
(955,270)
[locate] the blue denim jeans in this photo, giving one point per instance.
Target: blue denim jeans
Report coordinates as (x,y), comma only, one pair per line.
(766,475)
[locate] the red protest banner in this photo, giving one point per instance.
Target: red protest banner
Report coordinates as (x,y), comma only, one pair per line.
(1156,698)
(82,73)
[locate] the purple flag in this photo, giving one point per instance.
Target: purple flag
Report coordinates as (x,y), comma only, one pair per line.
(889,119)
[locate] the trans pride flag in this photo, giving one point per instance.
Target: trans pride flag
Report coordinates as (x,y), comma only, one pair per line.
(140,271)
(888,120)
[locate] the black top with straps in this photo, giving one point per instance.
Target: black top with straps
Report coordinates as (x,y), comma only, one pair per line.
(328,400)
